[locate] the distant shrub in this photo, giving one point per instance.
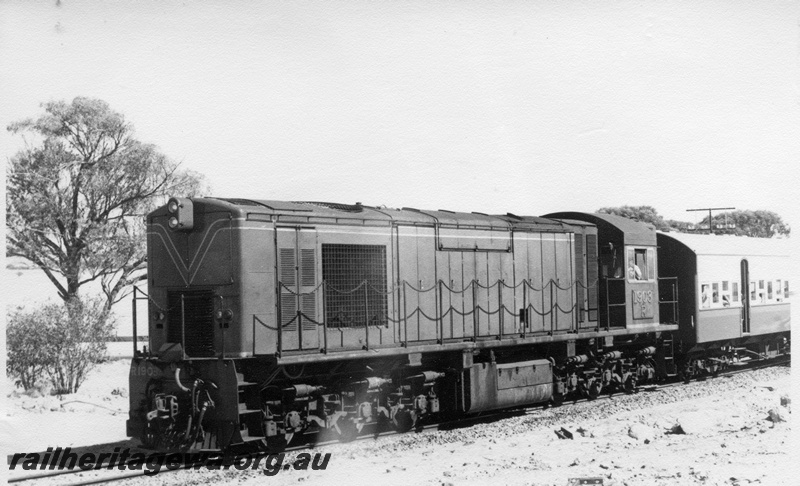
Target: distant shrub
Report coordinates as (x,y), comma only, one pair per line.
(62,341)
(27,358)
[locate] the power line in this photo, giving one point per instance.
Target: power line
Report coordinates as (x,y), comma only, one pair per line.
(710,223)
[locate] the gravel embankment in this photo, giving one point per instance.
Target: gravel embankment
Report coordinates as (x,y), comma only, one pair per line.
(625,440)
(726,421)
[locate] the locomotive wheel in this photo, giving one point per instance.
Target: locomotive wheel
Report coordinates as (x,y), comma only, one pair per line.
(687,373)
(594,389)
(346,430)
(403,420)
(630,384)
(276,443)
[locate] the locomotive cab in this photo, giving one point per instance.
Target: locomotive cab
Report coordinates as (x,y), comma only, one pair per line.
(630,292)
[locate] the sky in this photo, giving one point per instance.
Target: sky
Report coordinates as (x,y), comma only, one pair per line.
(516,106)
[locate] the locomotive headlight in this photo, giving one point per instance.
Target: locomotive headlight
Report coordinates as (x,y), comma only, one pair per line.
(218,315)
(224,315)
(158,316)
(181,211)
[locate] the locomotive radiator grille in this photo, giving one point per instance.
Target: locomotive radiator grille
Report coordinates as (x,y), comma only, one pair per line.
(344,269)
(198,317)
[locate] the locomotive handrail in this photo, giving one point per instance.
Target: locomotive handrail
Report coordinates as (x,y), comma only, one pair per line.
(444,285)
(256,319)
(441,310)
(134,316)
(476,283)
(674,302)
(275,328)
(497,283)
(419,290)
(183,326)
(380,292)
(574,283)
(609,305)
(452,291)
(346,292)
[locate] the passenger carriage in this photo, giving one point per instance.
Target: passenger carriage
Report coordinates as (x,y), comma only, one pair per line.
(734,294)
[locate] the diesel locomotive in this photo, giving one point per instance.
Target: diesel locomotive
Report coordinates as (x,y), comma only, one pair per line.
(271,320)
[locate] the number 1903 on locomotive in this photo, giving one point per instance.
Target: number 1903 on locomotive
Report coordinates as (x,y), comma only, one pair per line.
(642,304)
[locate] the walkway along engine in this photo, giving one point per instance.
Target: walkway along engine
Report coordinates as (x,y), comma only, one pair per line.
(270,320)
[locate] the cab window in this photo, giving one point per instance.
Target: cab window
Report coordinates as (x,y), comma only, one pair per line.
(641,264)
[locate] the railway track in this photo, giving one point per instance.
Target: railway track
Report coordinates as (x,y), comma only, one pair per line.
(109,476)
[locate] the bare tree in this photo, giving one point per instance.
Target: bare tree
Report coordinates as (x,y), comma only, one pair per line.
(75,201)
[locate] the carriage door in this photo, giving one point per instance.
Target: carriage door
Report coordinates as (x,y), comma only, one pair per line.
(745,297)
(297,276)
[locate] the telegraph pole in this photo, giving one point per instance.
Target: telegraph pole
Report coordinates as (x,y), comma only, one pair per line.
(710,224)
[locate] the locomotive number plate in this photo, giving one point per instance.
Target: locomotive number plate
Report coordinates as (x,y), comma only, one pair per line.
(642,303)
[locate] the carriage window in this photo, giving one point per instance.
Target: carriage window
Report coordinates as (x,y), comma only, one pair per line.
(752,291)
(769,290)
(762,296)
(735,291)
(638,268)
(778,291)
(726,294)
(705,296)
(715,293)
(785,289)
